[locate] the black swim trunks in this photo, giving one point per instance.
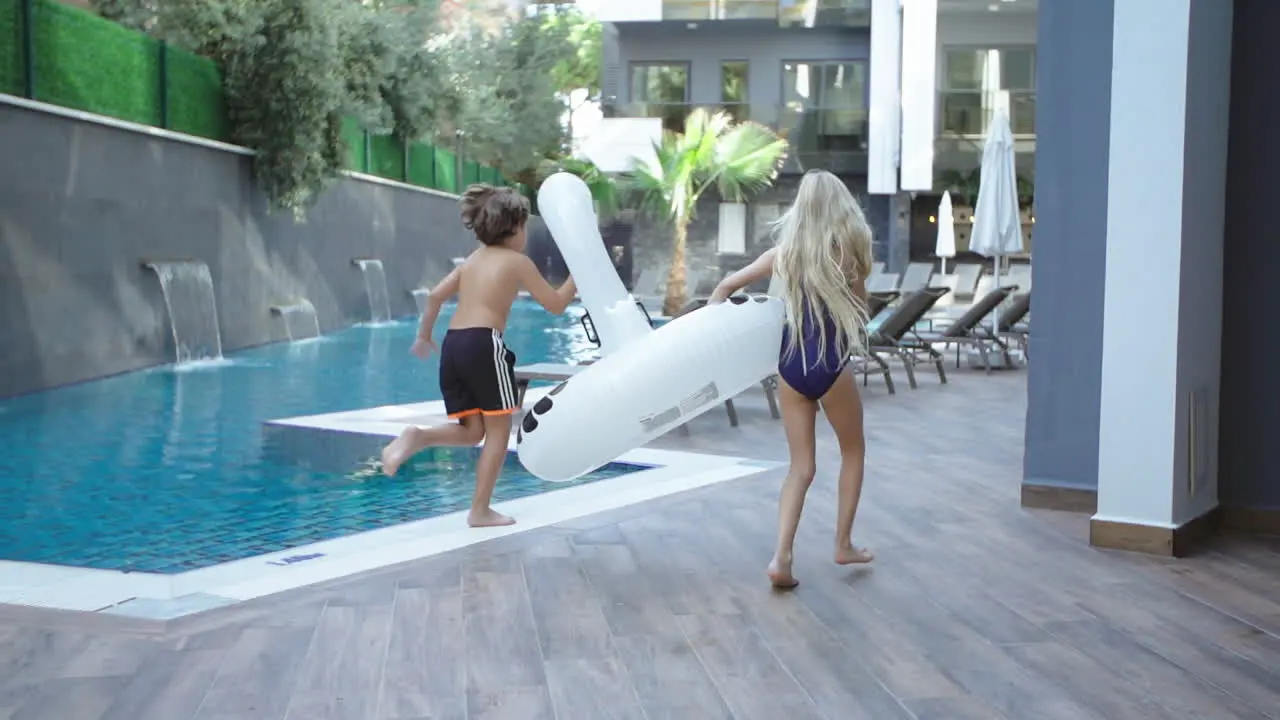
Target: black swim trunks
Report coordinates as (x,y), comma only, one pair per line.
(477,373)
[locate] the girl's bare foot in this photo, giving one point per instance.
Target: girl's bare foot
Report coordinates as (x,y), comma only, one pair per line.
(394,454)
(850,555)
(779,573)
(489,518)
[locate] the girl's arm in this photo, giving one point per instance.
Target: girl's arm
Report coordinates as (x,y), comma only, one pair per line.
(439,294)
(759,270)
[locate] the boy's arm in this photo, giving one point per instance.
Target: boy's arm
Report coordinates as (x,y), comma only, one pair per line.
(439,294)
(758,270)
(554,300)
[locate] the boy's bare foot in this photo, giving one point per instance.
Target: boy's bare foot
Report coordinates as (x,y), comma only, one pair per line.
(850,555)
(395,453)
(489,518)
(779,573)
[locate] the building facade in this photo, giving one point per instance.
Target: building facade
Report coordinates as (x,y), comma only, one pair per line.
(806,69)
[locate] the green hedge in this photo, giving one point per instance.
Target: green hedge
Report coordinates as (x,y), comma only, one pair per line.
(85,62)
(197,105)
(10,49)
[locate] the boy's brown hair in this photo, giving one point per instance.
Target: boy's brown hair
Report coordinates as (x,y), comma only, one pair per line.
(493,213)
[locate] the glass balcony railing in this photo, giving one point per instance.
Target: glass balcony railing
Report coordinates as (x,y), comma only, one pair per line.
(719,9)
(831,138)
(824,13)
(788,13)
(969,114)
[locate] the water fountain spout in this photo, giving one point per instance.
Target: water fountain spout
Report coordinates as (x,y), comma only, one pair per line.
(193,309)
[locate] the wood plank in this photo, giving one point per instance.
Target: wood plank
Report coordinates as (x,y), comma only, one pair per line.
(670,681)
(569,621)
(341,675)
(969,659)
(593,689)
(258,675)
(748,675)
(504,661)
(172,684)
(425,669)
(632,605)
(1132,663)
(78,698)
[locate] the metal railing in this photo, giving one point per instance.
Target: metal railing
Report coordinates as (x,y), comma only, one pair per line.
(805,13)
(830,138)
(720,9)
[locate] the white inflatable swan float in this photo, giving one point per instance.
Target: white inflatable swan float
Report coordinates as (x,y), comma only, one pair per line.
(648,381)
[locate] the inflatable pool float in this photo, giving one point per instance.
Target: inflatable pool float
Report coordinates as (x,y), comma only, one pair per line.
(651,380)
(569,213)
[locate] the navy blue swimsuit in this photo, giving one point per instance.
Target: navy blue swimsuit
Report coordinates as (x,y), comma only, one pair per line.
(805,373)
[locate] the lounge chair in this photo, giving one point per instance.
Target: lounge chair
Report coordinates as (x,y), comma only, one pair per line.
(883,282)
(647,288)
(887,337)
(1011,322)
(1019,275)
(916,277)
(966,330)
(967,275)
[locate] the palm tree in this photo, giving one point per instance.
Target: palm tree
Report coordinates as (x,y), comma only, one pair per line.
(605,190)
(738,159)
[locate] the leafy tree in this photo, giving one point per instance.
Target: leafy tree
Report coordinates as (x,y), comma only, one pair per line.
(712,151)
(580,70)
(505,98)
(294,69)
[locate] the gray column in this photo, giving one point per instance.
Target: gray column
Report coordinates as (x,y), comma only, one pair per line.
(1073,132)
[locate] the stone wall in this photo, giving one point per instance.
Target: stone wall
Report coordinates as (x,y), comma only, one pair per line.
(84,203)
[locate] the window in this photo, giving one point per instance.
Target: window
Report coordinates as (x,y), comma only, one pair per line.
(826,103)
(733,89)
(661,91)
(977,81)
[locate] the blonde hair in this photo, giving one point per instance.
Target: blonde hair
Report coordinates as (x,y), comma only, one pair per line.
(824,244)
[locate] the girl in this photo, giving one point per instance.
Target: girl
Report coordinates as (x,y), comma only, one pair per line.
(821,260)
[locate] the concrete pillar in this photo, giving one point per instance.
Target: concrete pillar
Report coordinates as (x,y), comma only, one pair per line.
(1073,122)
(1161,329)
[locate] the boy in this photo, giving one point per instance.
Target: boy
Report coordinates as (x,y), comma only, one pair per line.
(477,371)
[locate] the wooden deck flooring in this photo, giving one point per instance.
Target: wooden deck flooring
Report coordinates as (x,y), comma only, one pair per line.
(974,609)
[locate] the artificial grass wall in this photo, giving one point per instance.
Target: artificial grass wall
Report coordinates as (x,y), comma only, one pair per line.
(88,63)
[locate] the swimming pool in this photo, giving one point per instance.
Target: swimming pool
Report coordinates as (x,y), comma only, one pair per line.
(164,470)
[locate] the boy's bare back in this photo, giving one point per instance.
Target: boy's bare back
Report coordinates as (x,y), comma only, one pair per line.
(488,283)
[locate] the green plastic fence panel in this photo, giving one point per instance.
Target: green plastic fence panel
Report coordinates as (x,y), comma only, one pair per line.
(88,63)
(10,48)
(489,175)
(470,172)
(446,170)
(422,165)
(353,136)
(197,105)
(388,157)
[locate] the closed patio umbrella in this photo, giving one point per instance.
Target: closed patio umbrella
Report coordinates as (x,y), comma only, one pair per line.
(946,244)
(997,227)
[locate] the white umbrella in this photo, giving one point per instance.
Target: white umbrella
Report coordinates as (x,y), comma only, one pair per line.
(946,245)
(997,227)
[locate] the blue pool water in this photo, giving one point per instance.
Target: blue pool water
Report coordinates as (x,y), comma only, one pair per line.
(164,470)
